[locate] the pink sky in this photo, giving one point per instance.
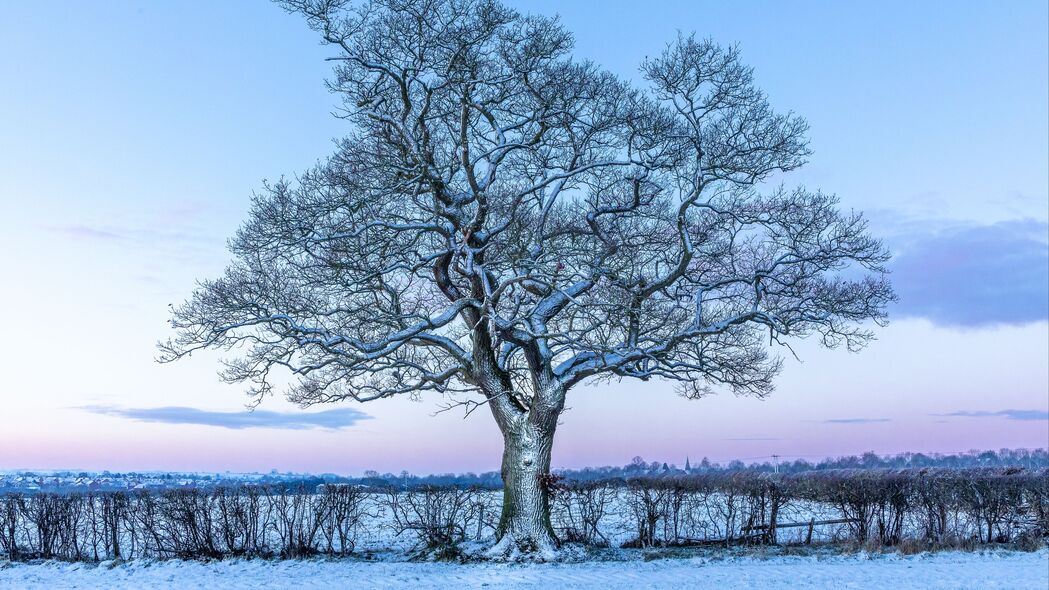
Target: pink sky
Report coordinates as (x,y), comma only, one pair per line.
(896,385)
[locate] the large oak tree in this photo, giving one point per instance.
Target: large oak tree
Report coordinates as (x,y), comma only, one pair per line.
(503,222)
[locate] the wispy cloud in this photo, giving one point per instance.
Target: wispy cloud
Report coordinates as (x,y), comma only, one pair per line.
(328,419)
(857,420)
(180,233)
(1007,414)
(86,232)
(756,438)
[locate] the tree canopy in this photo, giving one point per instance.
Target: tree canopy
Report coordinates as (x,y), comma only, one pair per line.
(496,202)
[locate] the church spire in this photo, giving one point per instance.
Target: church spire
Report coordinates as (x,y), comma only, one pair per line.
(688,468)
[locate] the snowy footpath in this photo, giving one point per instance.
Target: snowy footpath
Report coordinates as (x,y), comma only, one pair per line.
(956,570)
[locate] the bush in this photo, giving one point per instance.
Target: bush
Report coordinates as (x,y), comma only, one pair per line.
(910,509)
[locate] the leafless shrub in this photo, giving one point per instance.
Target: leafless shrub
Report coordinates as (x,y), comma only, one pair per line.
(241,519)
(42,514)
(10,510)
(579,509)
(645,504)
(439,517)
(108,515)
(991,500)
(187,524)
(297,520)
(346,507)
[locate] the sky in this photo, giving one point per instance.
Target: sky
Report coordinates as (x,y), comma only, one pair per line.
(133,133)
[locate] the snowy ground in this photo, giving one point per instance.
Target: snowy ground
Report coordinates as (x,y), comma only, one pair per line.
(953,570)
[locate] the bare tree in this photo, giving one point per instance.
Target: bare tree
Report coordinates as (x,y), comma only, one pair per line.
(502,223)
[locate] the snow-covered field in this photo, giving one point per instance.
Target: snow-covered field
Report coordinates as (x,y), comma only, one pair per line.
(955,570)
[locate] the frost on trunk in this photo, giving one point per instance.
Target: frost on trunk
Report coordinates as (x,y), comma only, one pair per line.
(502,223)
(524,525)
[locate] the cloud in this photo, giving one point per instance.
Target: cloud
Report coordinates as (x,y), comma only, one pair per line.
(754,439)
(1007,414)
(86,232)
(328,419)
(857,420)
(177,234)
(972,275)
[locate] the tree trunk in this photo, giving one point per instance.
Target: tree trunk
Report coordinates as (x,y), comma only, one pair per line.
(524,526)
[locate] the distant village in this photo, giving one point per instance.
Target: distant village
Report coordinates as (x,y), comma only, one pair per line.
(69,481)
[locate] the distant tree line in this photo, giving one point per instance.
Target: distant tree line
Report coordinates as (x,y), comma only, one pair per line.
(1004,458)
(1026,458)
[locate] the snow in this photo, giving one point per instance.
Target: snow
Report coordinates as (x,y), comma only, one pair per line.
(955,570)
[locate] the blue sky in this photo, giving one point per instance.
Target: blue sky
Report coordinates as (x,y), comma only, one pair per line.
(132,135)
